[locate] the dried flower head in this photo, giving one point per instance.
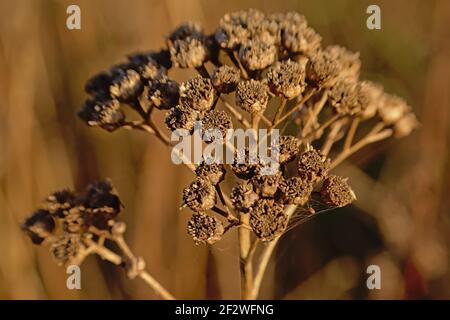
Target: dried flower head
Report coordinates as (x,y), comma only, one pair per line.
(295,190)
(205,229)
(289,147)
(39,226)
(181,117)
(245,163)
(214,172)
(225,78)
(214,121)
(287,78)
(104,113)
(187,46)
(59,202)
(336,192)
(374,94)
(393,109)
(347,98)
(198,93)
(256,55)
(267,219)
(348,61)
(266,185)
(66,248)
(251,96)
(102,195)
(322,69)
(200,195)
(312,167)
(147,66)
(243,197)
(163,92)
(126,85)
(299,38)
(405,125)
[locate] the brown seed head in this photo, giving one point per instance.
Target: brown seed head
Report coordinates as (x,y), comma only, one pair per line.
(256,55)
(205,229)
(104,113)
(181,117)
(336,192)
(311,166)
(267,219)
(163,92)
(295,191)
(200,195)
(251,96)
(198,93)
(214,172)
(243,197)
(226,78)
(287,78)
(214,120)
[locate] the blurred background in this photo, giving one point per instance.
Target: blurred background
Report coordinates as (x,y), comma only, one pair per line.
(400,221)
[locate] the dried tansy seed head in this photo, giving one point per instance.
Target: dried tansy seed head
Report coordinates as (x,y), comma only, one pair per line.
(163,92)
(243,197)
(147,66)
(126,85)
(322,69)
(405,125)
(349,62)
(251,96)
(104,113)
(181,117)
(198,93)
(216,123)
(66,248)
(102,195)
(287,78)
(374,94)
(225,78)
(267,219)
(213,172)
(205,229)
(393,109)
(39,225)
(60,201)
(289,147)
(266,185)
(200,195)
(311,166)
(336,192)
(298,38)
(245,163)
(256,55)
(295,191)
(187,46)
(347,98)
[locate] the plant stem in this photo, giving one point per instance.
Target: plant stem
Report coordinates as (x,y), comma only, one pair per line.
(351,133)
(297,107)
(280,110)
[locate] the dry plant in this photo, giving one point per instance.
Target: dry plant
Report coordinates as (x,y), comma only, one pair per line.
(280,75)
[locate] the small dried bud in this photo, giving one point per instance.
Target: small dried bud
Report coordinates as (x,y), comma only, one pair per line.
(126,85)
(198,93)
(322,69)
(243,197)
(39,225)
(289,148)
(300,39)
(60,201)
(393,109)
(405,125)
(225,79)
(66,248)
(295,191)
(348,61)
(374,93)
(205,229)
(104,113)
(187,46)
(245,163)
(181,117)
(287,78)
(266,185)
(251,96)
(346,98)
(200,195)
(163,92)
(256,55)
(147,67)
(336,192)
(267,219)
(216,120)
(102,195)
(311,166)
(214,172)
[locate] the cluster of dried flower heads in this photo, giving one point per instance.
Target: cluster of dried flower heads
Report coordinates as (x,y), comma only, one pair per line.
(254,71)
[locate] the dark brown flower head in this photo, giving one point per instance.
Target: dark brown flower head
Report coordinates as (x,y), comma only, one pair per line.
(216,120)
(98,85)
(347,98)
(104,113)
(238,27)
(66,248)
(198,93)
(39,225)
(289,148)
(295,191)
(256,55)
(393,109)
(267,219)
(266,185)
(126,85)
(101,195)
(147,66)
(287,78)
(205,229)
(214,172)
(163,92)
(181,117)
(336,192)
(187,46)
(405,125)
(200,195)
(374,94)
(311,166)
(100,217)
(243,197)
(75,220)
(251,96)
(300,39)
(60,201)
(245,163)
(225,79)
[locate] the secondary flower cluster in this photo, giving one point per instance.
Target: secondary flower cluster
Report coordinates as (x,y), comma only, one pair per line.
(66,220)
(252,63)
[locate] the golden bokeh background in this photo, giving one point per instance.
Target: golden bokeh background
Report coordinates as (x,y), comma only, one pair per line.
(400,221)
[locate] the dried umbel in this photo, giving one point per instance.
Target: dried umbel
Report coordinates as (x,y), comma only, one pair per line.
(200,195)
(205,229)
(287,79)
(251,95)
(295,190)
(267,219)
(312,167)
(198,93)
(336,192)
(225,78)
